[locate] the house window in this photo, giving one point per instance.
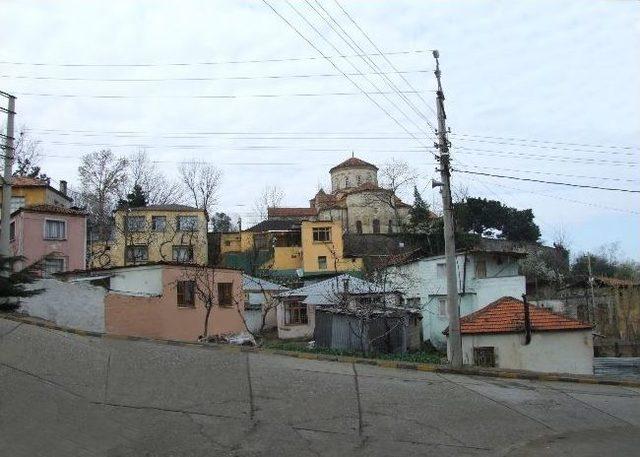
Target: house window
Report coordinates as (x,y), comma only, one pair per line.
(16,203)
(186,293)
(376,226)
(135,223)
(484,356)
(322,262)
(182,254)
(136,254)
(359,227)
(413,302)
(225,294)
(52,265)
(187,223)
(227,243)
(481,268)
(442,307)
(321,234)
(158,223)
(55,230)
(359,179)
(295,313)
(390,226)
(441,271)
(12,231)
(346,182)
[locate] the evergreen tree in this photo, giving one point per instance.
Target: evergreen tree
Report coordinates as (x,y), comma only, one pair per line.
(420,216)
(135,199)
(12,283)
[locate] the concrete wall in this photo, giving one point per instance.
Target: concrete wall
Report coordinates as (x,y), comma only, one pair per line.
(144,280)
(160,317)
(550,352)
(72,304)
(31,243)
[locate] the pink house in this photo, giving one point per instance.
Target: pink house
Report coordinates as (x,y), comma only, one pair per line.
(53,234)
(166,301)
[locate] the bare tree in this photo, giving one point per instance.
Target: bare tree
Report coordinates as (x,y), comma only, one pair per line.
(397,176)
(103,179)
(200,182)
(145,173)
(270,197)
(27,156)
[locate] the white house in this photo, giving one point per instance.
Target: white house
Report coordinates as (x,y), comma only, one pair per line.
(496,336)
(259,300)
(297,307)
(483,276)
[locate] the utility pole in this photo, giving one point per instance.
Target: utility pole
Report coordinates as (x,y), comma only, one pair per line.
(6,176)
(454,341)
(592,311)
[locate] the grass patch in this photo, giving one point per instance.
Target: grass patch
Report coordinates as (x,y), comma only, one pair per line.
(299,346)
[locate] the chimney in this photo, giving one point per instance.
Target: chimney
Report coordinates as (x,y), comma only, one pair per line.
(63,187)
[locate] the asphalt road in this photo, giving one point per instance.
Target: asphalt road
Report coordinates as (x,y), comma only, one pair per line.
(67,395)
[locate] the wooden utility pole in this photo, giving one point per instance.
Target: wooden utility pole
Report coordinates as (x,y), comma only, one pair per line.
(454,341)
(6,176)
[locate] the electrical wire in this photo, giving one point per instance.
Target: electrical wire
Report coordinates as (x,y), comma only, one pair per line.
(186,64)
(220,78)
(557,183)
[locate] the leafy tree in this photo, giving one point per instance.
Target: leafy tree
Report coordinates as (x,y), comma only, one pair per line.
(12,283)
(135,199)
(492,218)
(221,222)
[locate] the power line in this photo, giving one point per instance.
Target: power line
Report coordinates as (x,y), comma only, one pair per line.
(557,183)
(544,141)
(208,96)
(185,64)
(220,78)
(381,53)
(366,59)
(304,18)
(338,68)
(555,174)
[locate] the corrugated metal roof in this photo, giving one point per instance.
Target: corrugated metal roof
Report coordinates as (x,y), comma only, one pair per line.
(327,292)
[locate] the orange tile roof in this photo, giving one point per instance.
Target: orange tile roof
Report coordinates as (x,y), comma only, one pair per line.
(353,162)
(291,212)
(506,315)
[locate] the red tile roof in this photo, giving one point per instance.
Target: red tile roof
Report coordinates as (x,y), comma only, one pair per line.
(52,209)
(24,181)
(506,315)
(291,212)
(354,162)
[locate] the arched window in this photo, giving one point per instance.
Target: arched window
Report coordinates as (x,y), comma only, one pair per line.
(359,179)
(376,226)
(346,182)
(390,226)
(359,227)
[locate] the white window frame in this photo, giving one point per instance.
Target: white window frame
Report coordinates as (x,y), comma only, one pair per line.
(442,306)
(176,249)
(179,225)
(164,224)
(44,229)
(441,270)
(45,273)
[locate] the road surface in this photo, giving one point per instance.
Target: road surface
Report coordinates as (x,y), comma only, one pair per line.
(68,395)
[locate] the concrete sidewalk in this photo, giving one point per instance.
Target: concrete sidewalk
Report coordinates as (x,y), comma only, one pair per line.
(65,394)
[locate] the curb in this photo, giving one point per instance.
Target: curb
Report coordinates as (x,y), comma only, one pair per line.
(426,367)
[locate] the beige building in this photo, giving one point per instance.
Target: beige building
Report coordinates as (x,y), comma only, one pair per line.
(153,233)
(358,201)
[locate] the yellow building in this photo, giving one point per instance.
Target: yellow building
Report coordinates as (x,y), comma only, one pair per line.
(289,248)
(154,233)
(31,191)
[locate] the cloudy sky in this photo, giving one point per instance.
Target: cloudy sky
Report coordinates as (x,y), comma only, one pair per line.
(546,90)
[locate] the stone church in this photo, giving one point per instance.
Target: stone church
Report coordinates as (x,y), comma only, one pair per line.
(356,199)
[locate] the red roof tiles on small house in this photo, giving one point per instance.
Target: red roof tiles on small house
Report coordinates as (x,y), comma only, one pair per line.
(291,212)
(354,162)
(506,315)
(24,181)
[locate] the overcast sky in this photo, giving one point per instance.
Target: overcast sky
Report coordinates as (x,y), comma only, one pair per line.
(538,89)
